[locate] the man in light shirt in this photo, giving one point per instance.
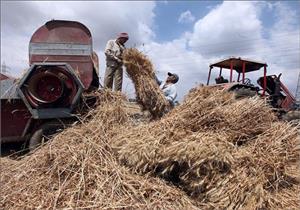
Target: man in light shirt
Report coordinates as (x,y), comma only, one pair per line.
(169,88)
(114,64)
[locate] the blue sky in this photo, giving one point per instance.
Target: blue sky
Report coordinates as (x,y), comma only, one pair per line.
(179,36)
(166,17)
(167,13)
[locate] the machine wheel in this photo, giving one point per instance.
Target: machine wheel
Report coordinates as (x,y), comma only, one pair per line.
(292,116)
(244,93)
(43,134)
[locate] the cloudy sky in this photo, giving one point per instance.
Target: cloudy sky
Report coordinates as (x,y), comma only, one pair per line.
(182,36)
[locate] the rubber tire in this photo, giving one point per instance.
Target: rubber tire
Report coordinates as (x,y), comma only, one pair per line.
(244,93)
(292,116)
(46,130)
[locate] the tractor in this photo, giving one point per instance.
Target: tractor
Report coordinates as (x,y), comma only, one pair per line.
(270,86)
(62,67)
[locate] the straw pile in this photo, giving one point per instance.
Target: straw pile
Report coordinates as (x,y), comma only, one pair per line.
(219,152)
(225,153)
(77,169)
(148,93)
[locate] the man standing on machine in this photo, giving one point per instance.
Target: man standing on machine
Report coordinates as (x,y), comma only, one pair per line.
(114,64)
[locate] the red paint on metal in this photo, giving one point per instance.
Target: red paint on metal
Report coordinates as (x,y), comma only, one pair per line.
(289,99)
(60,31)
(14,117)
(67,32)
(287,103)
(237,64)
(49,88)
(244,70)
(82,65)
(265,80)
(287,92)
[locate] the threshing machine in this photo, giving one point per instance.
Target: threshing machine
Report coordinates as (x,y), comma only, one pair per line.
(62,66)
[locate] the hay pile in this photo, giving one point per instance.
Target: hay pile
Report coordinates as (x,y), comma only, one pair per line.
(148,93)
(225,153)
(219,152)
(77,169)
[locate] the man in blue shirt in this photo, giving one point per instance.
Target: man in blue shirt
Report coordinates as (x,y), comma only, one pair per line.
(168,87)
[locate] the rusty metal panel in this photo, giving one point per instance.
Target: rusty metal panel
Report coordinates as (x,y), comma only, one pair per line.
(80,64)
(13,111)
(60,31)
(64,41)
(60,49)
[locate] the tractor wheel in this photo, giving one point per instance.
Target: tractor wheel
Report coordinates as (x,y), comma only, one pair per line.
(43,134)
(244,93)
(292,116)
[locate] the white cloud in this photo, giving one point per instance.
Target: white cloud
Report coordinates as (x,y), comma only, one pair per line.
(221,32)
(284,45)
(186,17)
(19,20)
(217,35)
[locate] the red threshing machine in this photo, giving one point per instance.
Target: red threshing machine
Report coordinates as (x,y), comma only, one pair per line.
(62,67)
(270,86)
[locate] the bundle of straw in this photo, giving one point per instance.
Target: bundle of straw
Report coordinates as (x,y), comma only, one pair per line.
(226,153)
(148,93)
(77,169)
(221,152)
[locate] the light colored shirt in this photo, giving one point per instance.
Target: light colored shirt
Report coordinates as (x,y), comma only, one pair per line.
(169,91)
(113,52)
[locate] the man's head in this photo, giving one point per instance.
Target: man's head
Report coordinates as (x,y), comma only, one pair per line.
(172,78)
(122,38)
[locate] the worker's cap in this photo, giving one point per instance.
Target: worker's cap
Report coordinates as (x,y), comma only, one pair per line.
(176,78)
(123,35)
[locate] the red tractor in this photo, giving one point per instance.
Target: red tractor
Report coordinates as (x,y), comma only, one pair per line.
(270,86)
(62,67)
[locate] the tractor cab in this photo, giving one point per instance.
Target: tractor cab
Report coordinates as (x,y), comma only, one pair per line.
(240,67)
